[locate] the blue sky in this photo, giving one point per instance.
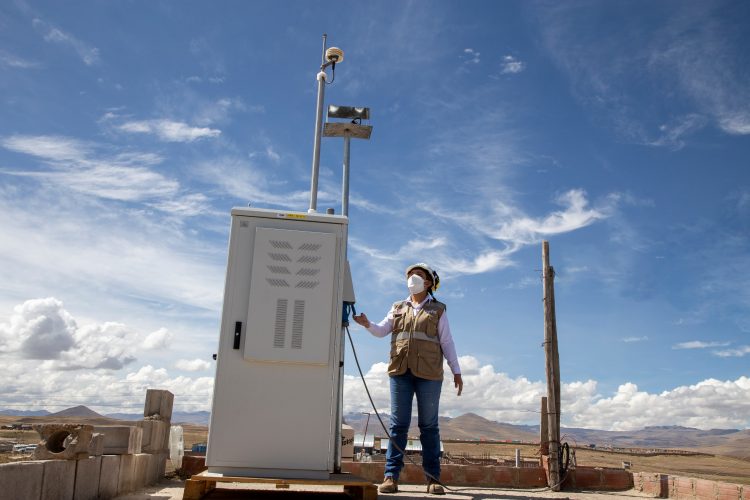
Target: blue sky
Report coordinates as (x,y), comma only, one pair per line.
(618,132)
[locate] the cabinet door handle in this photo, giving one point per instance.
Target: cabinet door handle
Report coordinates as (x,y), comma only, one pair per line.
(237,334)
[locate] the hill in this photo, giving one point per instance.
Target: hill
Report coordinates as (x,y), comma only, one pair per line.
(77,411)
(469,426)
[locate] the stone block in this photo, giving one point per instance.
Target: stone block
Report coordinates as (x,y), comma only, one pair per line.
(24,479)
(154,432)
(159,402)
(121,439)
(88,471)
(193,464)
(126,478)
(59,479)
(96,447)
(63,441)
(140,470)
(109,476)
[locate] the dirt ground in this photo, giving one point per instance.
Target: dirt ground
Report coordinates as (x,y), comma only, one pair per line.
(716,468)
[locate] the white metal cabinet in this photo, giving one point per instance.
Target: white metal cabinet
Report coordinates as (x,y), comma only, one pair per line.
(277,373)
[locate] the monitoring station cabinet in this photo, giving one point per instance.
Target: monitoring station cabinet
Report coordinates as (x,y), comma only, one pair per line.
(276,390)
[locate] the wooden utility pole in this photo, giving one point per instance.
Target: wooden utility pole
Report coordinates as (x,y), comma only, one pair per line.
(552,359)
(544,429)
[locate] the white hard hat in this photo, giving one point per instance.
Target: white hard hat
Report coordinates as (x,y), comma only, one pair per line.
(430,272)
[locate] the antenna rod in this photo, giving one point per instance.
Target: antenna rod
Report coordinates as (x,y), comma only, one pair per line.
(318,127)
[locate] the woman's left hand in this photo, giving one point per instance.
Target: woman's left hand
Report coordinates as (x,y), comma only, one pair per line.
(458,383)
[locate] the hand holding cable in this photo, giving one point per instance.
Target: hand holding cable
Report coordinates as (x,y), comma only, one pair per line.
(362,320)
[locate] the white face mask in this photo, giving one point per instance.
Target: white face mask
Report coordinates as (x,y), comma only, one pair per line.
(415,284)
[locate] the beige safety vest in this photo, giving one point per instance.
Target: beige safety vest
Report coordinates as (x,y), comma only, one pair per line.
(414,342)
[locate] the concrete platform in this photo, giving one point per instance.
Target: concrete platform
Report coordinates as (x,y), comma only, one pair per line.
(173,489)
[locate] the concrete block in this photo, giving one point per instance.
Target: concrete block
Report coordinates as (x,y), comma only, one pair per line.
(502,477)
(616,479)
(126,478)
(163,464)
(152,475)
(159,402)
(154,433)
(109,476)
(531,477)
(96,447)
(586,478)
(63,441)
(727,491)
(88,471)
(23,479)
(59,479)
(140,470)
(121,439)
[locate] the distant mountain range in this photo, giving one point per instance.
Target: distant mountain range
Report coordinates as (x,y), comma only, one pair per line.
(195,418)
(732,442)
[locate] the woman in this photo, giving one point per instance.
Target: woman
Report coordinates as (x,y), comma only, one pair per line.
(420,338)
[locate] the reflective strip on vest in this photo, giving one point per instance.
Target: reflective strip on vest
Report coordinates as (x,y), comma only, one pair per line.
(415,336)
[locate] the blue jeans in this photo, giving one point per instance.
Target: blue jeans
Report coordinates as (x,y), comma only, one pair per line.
(403,389)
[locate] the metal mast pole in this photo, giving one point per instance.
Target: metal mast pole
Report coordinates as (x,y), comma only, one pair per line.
(318,129)
(345,179)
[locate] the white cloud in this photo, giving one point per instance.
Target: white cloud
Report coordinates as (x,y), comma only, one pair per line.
(192,365)
(41,329)
(634,339)
(159,339)
(217,111)
(65,244)
(497,396)
(737,123)
(471,56)
(734,353)
(169,130)
(699,344)
(511,65)
(501,223)
(88,54)
(12,61)
(244,180)
(47,147)
(672,134)
(125,176)
(693,57)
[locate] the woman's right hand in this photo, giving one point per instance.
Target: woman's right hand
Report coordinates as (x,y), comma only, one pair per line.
(362,320)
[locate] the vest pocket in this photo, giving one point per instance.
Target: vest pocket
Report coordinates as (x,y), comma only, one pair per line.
(397,365)
(429,361)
